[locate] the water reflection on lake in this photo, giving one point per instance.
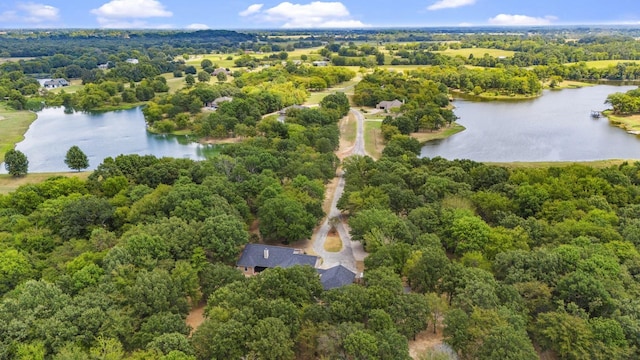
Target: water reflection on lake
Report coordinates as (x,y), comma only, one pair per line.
(554,127)
(99,135)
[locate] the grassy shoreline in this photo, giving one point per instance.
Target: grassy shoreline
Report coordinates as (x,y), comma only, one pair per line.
(10,183)
(13,125)
(127,106)
(487,96)
(629,123)
(443,133)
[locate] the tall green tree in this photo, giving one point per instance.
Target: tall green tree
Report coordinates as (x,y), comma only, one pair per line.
(16,162)
(76,159)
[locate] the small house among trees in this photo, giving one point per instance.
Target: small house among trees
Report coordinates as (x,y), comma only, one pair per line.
(216,103)
(221,71)
(388,105)
(256,258)
(55,83)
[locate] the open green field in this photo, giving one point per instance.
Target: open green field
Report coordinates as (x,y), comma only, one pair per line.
(568,84)
(346,87)
(9,183)
(373,142)
(222,60)
(477,52)
(8,59)
(13,125)
(76,84)
(403,68)
(602,64)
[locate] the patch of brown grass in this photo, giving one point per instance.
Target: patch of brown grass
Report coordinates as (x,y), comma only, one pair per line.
(333,243)
(425,341)
(9,183)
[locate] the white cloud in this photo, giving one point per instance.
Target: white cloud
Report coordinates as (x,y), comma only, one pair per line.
(197,26)
(465,24)
(31,13)
(126,13)
(515,20)
(39,12)
(252,9)
(449,4)
(317,14)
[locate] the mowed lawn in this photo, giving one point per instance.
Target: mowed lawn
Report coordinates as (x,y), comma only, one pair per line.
(13,125)
(373,141)
(227,60)
(602,64)
(478,52)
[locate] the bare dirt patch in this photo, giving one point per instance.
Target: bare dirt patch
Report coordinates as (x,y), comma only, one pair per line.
(196,317)
(425,341)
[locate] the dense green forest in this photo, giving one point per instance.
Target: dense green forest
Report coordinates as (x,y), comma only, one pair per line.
(527,258)
(113,264)
(508,262)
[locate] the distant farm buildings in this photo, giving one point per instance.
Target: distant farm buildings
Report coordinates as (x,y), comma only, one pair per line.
(55,83)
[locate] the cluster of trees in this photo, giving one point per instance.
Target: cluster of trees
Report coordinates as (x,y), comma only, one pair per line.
(111,266)
(284,314)
(509,80)
(16,88)
(105,93)
(558,49)
(426,103)
(308,77)
(17,164)
(254,95)
(76,43)
(625,103)
(541,258)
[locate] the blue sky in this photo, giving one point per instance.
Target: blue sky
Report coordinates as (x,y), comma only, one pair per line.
(267,14)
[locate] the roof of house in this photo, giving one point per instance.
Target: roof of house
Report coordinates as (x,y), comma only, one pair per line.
(56,82)
(336,277)
(300,107)
(268,256)
(221,70)
(390,104)
(222,99)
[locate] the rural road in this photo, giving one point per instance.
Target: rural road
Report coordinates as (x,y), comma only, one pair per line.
(352,251)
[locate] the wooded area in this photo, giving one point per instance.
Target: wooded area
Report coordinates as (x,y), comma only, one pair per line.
(506,262)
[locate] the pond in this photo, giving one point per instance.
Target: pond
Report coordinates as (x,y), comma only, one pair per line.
(554,127)
(99,135)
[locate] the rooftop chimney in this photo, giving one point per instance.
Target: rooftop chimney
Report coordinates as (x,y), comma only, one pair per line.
(266,253)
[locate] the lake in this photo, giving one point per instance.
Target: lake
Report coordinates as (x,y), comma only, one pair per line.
(554,127)
(99,135)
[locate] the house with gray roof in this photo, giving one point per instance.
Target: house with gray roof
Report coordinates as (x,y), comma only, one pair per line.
(336,277)
(221,70)
(213,105)
(55,83)
(257,257)
(388,105)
